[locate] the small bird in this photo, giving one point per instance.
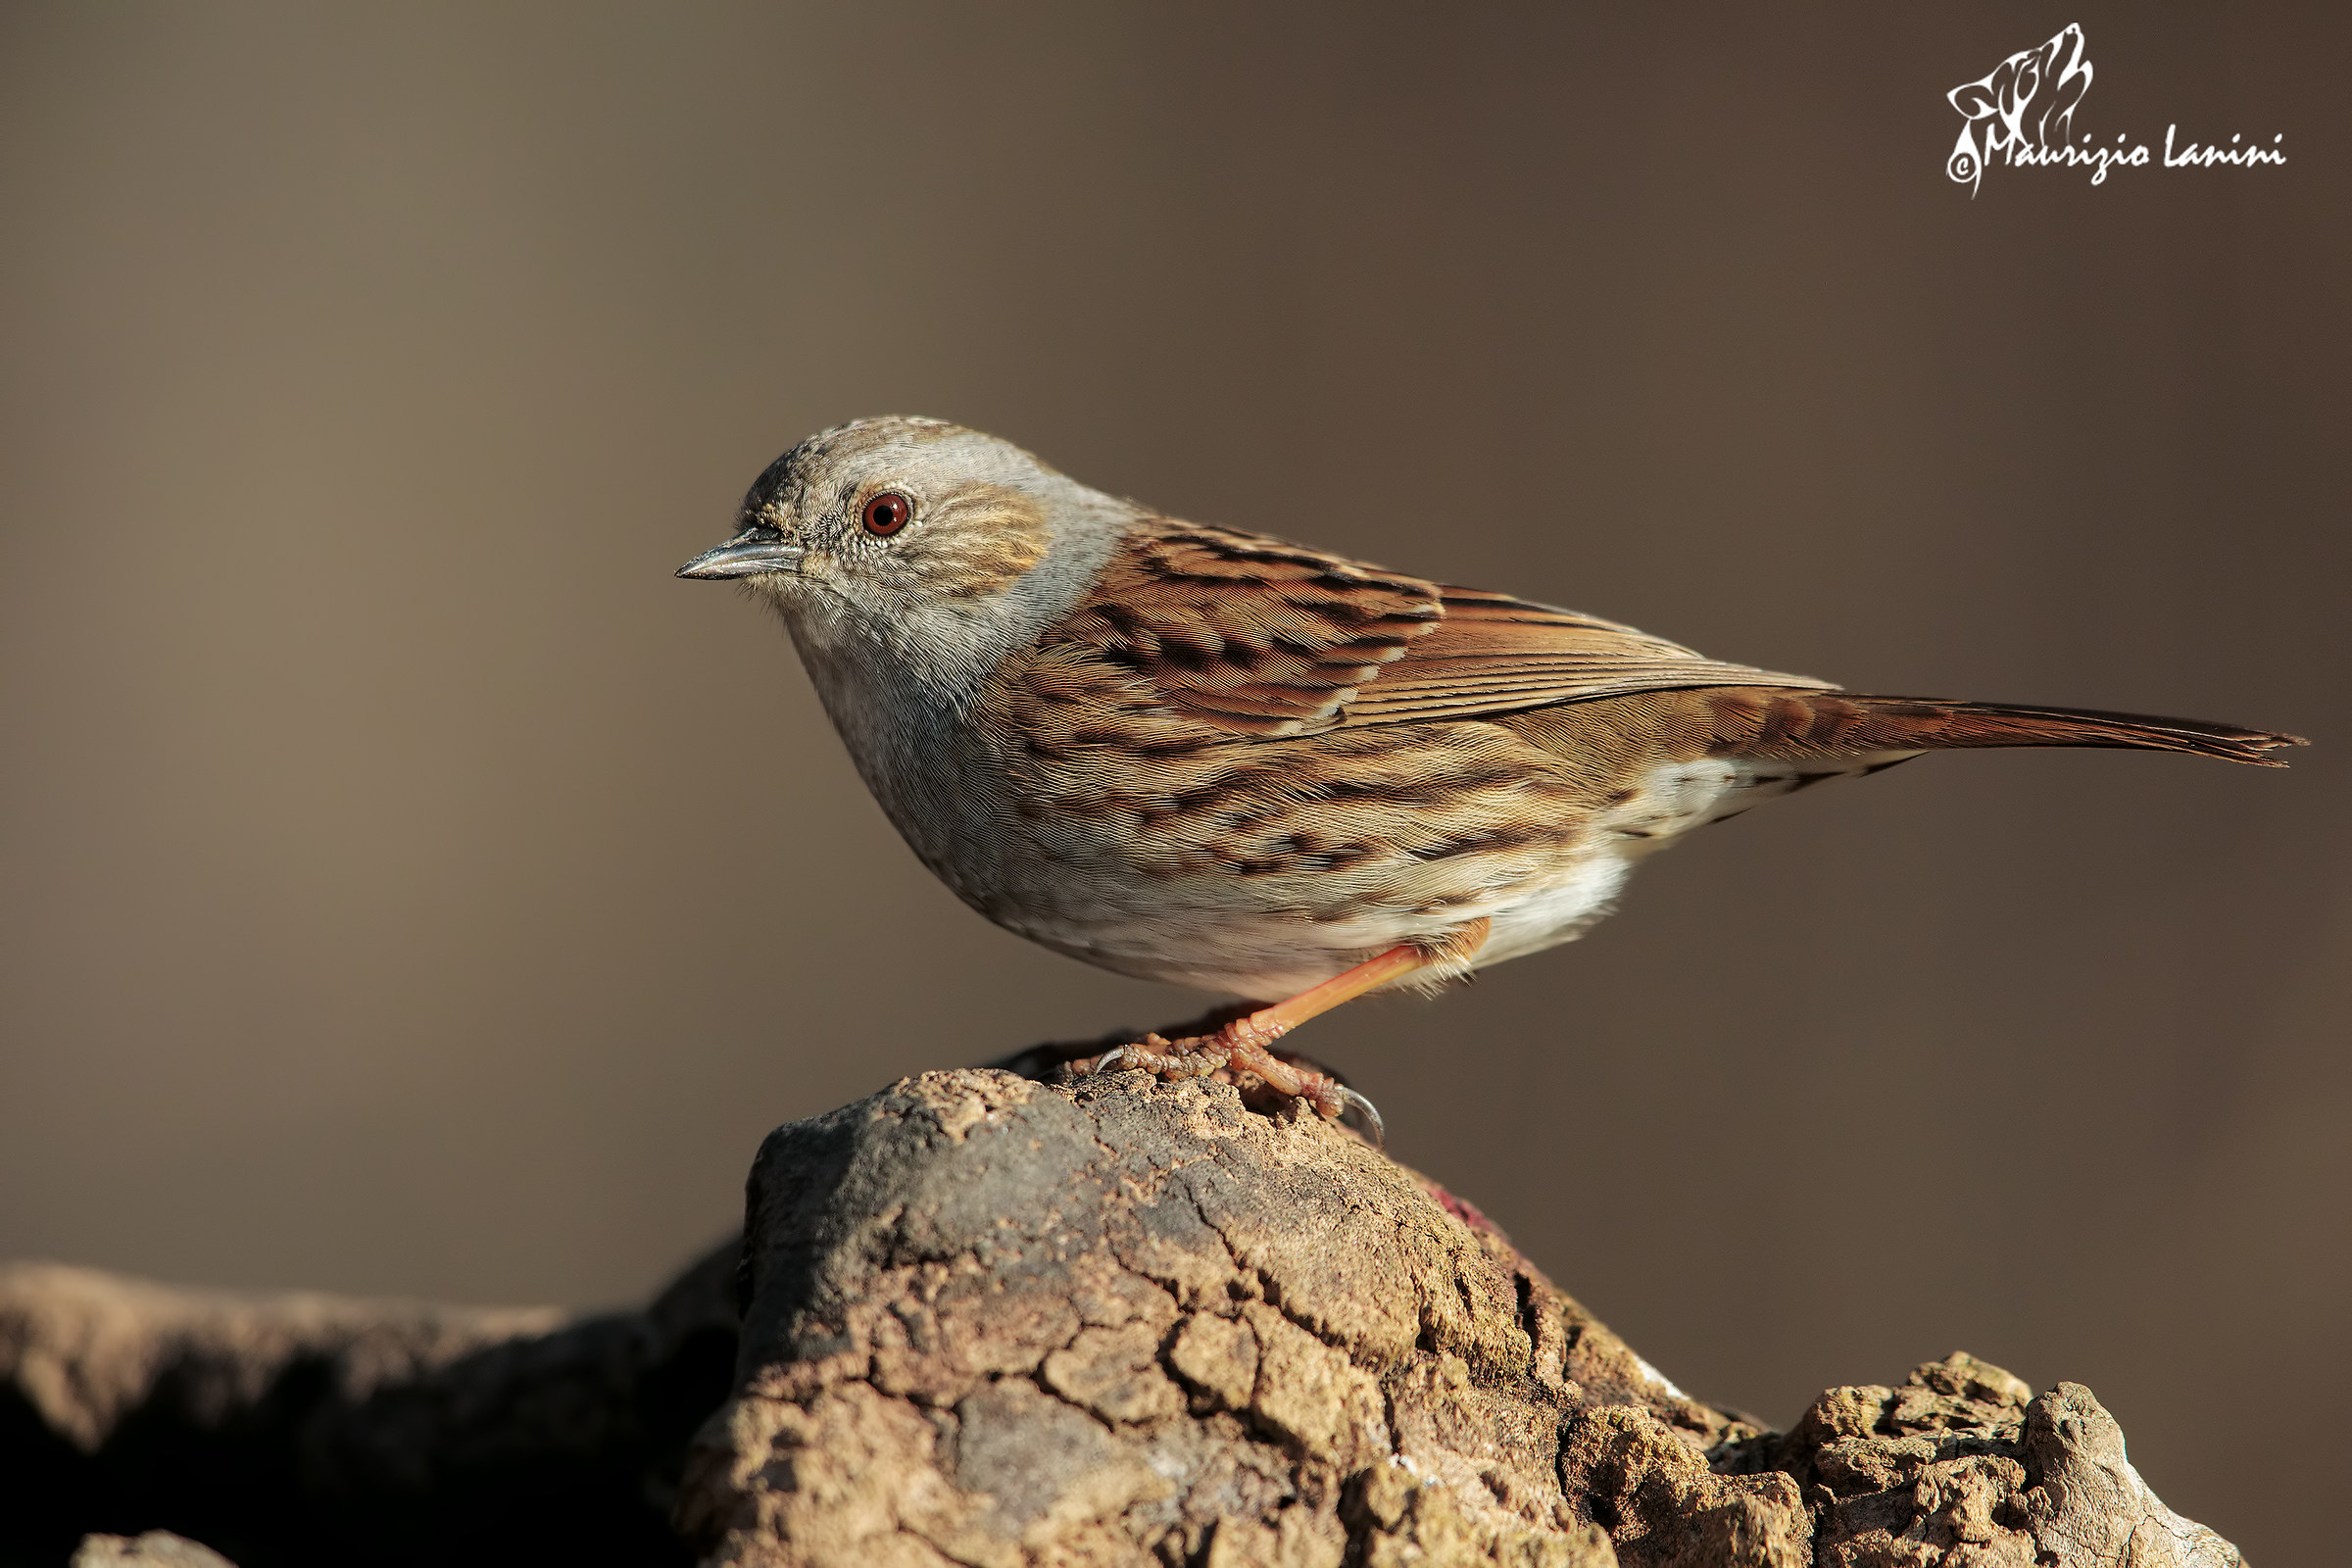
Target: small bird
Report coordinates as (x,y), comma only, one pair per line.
(1195,754)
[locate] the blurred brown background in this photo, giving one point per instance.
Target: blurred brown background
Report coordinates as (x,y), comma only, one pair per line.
(369,921)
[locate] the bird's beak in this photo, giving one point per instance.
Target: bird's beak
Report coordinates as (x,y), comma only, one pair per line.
(758,549)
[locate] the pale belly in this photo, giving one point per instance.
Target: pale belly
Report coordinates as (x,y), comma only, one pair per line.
(1268,937)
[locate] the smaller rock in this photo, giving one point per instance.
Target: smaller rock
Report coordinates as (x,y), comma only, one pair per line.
(305,1427)
(1964,1467)
(2090,1506)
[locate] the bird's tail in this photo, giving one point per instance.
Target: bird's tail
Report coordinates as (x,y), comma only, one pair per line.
(1754,721)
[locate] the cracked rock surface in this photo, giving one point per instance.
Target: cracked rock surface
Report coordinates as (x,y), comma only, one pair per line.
(992,1321)
(1963,1465)
(996,1322)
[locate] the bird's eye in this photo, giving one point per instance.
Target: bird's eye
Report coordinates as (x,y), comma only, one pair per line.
(887,513)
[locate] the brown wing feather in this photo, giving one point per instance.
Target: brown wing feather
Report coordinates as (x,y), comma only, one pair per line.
(1257,636)
(1210,632)
(1248,634)
(1493,653)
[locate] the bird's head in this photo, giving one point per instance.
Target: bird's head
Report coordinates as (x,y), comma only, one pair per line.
(916,540)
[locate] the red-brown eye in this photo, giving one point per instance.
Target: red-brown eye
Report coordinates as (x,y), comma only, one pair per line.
(887,513)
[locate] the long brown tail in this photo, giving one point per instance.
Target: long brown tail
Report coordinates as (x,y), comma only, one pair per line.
(1793,724)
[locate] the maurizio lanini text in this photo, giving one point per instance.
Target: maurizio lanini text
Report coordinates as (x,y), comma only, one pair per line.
(2099,159)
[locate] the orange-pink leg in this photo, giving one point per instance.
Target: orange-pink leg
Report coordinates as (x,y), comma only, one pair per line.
(1241,1046)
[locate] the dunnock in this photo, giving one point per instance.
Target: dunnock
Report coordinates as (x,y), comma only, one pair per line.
(1190,753)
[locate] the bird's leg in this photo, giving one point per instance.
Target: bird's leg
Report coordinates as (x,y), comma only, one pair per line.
(1241,1046)
(1243,1042)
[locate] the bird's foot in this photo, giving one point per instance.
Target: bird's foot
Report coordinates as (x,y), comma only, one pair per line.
(1237,1053)
(1172,1059)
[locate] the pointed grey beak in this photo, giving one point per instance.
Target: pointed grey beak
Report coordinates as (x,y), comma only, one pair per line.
(758,549)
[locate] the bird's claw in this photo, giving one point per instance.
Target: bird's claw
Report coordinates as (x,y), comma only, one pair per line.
(1362,1115)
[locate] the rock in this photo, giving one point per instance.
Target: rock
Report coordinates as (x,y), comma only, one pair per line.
(285,1426)
(1003,1322)
(996,1321)
(1964,1465)
(999,1322)
(2088,1506)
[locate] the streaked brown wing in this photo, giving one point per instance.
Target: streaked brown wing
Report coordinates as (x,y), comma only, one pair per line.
(1493,653)
(1250,634)
(1257,636)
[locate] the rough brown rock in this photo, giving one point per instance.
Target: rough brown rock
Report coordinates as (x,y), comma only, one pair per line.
(1964,1465)
(1000,1323)
(291,1427)
(996,1322)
